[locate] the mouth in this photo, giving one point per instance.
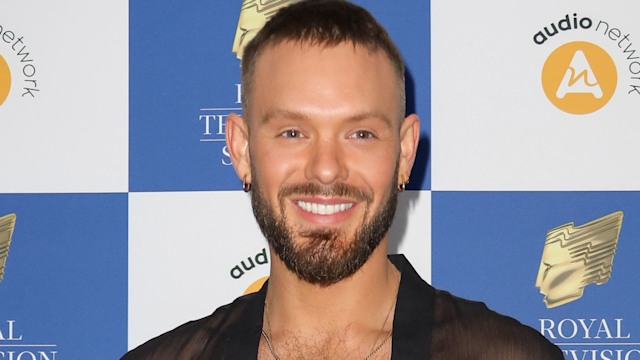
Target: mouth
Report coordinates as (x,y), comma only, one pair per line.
(323,209)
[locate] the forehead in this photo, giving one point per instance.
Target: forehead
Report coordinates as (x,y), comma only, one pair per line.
(340,78)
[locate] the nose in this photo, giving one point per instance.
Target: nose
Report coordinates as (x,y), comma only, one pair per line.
(326,163)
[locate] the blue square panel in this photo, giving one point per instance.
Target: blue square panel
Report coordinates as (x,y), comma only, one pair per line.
(489,246)
(64,292)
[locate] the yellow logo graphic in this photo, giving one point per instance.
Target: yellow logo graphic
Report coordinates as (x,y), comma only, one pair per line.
(256,285)
(7,223)
(253,16)
(5,80)
(579,77)
(574,257)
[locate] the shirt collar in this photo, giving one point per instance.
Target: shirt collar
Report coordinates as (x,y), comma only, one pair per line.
(413,319)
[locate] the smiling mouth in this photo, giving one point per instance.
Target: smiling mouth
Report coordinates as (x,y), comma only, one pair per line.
(323,209)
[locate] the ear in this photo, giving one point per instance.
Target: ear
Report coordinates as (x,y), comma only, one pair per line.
(409,137)
(237,134)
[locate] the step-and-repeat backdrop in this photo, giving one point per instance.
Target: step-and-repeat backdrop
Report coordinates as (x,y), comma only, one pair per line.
(121,216)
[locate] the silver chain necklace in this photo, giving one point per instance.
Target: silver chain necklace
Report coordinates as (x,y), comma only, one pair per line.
(373,352)
(368,357)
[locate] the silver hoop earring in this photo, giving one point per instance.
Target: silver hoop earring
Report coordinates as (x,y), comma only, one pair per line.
(402,185)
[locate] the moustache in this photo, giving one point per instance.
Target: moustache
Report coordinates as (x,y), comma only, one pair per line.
(333,190)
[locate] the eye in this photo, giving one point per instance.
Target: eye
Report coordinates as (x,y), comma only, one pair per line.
(362,135)
(291,134)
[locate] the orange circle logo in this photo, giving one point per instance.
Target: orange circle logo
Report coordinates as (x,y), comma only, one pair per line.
(5,80)
(256,285)
(579,77)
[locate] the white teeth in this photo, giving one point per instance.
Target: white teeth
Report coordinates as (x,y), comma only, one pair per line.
(322,209)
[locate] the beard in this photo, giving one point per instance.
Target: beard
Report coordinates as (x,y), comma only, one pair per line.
(327,255)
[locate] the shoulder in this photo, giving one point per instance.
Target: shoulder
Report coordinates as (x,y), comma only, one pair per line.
(194,338)
(469,327)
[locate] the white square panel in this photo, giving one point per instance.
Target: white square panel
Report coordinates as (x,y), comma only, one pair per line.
(71,135)
(493,127)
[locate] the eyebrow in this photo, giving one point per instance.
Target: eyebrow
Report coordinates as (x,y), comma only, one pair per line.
(298,116)
(286,114)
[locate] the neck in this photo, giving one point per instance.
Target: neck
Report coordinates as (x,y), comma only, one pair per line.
(359,303)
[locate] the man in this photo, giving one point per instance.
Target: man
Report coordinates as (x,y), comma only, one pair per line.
(324,147)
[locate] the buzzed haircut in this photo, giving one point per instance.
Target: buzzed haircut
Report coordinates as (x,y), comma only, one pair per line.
(324,23)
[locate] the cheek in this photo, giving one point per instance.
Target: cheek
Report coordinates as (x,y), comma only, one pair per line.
(377,176)
(384,181)
(375,167)
(271,169)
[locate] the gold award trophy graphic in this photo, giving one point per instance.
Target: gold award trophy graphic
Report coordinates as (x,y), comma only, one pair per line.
(574,257)
(253,16)
(7,223)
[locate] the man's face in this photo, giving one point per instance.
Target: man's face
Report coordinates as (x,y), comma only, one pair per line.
(324,147)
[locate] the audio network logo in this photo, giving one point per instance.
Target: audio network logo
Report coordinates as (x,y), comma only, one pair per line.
(574,257)
(7,223)
(245,266)
(5,80)
(580,77)
(14,54)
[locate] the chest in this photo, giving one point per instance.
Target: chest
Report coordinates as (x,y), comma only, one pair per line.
(294,347)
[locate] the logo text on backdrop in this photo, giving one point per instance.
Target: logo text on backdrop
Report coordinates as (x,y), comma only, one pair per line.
(13,346)
(251,262)
(580,77)
(253,16)
(16,63)
(591,338)
(214,122)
